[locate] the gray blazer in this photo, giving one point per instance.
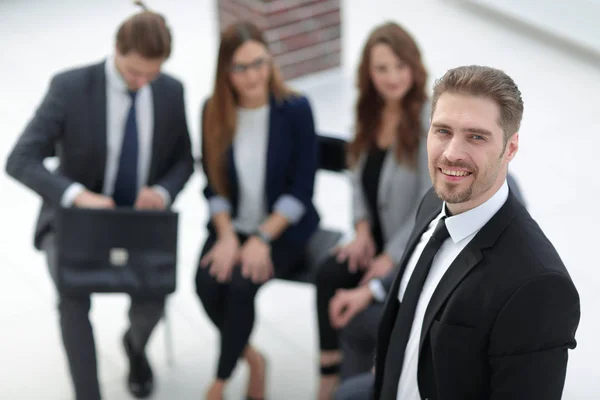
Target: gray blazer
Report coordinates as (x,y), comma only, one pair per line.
(71,123)
(401,189)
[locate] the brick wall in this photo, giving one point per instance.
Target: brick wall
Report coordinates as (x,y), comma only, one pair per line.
(303,35)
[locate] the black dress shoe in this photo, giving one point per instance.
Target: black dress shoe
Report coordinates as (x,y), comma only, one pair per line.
(140,380)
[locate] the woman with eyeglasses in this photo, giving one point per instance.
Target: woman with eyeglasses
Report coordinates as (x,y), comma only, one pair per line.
(259,152)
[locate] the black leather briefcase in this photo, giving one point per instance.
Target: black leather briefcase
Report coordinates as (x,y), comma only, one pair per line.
(116,251)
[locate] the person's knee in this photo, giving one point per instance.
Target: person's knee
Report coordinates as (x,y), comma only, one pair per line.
(150,306)
(328,273)
(203,277)
(359,387)
(361,331)
(242,289)
(204,280)
(352,333)
(74,305)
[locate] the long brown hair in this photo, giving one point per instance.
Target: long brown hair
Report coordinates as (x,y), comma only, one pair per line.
(219,117)
(369,107)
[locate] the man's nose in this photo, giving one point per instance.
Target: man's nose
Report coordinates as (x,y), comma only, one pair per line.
(455,150)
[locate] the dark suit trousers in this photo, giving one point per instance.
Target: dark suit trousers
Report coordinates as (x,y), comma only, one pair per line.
(332,276)
(358,387)
(77,334)
(230,305)
(358,340)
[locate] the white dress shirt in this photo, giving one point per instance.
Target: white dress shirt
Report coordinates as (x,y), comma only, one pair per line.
(250,148)
(118,103)
(462,228)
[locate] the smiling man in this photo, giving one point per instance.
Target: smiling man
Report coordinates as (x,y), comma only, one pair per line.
(482,306)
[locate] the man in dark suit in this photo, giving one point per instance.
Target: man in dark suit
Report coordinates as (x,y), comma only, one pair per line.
(357,312)
(482,306)
(120,131)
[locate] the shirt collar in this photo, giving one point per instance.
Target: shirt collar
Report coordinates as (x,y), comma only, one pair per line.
(113,76)
(465,224)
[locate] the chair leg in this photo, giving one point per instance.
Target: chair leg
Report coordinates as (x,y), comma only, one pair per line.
(168,339)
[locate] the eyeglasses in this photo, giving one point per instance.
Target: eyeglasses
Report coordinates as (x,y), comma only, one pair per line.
(240,68)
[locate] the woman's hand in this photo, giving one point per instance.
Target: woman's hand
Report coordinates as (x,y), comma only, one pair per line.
(223,256)
(255,257)
(379,267)
(358,253)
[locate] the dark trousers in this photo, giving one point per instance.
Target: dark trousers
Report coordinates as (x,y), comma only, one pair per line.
(332,276)
(358,340)
(230,305)
(359,387)
(77,333)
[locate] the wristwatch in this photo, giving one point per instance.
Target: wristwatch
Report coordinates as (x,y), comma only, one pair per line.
(262,235)
(377,290)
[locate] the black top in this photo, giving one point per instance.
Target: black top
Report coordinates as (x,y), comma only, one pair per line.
(370,182)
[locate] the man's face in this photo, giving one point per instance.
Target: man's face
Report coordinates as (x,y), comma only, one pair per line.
(136,70)
(467,156)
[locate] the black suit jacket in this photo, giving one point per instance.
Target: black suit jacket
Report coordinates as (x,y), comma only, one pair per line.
(70,123)
(388,280)
(500,322)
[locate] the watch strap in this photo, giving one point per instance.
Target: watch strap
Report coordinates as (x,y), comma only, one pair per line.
(262,235)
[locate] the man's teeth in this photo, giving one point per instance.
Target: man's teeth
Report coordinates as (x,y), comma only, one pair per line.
(455,173)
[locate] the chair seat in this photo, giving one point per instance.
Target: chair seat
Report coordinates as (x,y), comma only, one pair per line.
(319,248)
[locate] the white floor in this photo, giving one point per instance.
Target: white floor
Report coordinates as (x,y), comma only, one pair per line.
(555,167)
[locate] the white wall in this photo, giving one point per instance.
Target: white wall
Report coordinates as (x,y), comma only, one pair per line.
(573,20)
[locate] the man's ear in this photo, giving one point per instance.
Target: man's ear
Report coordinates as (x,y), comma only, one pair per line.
(512,146)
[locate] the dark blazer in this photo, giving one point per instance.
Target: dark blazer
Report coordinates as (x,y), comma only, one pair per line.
(71,123)
(292,162)
(501,319)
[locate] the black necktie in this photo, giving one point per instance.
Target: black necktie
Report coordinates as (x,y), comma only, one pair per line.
(126,189)
(406,312)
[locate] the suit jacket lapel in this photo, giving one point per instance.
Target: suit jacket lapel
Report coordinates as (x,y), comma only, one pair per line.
(391,305)
(98,119)
(430,207)
(387,174)
(274,143)
(158,134)
(466,261)
(462,265)
(420,227)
